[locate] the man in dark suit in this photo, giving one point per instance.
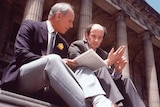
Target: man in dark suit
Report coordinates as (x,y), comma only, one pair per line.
(116,89)
(35,66)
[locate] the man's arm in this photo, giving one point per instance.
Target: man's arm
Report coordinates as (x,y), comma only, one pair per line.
(117,60)
(24,44)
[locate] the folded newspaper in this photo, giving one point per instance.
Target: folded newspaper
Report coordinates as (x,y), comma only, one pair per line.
(90,59)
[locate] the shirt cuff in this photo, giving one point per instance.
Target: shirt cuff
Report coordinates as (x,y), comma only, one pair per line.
(116,75)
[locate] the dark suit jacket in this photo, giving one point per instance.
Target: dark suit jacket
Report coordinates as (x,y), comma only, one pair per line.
(31,44)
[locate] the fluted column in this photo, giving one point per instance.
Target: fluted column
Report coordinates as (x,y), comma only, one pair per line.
(34,10)
(151,76)
(85,16)
(121,39)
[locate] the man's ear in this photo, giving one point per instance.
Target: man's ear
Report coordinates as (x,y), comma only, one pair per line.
(58,15)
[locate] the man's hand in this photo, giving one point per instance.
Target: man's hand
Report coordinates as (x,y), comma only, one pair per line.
(113,57)
(120,64)
(70,62)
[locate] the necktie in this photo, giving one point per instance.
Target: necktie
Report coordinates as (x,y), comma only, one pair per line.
(51,43)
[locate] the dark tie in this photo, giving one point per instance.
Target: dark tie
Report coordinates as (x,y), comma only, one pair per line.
(51,43)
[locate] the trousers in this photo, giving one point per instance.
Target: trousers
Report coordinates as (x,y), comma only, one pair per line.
(98,82)
(101,82)
(121,90)
(51,71)
(89,82)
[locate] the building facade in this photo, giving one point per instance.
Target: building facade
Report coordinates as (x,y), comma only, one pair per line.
(129,22)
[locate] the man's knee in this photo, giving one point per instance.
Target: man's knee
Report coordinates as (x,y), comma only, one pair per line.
(53,57)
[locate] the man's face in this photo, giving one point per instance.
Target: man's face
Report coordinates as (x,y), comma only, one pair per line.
(95,37)
(65,22)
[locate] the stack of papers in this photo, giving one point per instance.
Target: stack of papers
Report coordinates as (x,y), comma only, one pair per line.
(90,59)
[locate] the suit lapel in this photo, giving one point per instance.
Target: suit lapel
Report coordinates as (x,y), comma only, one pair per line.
(102,53)
(85,46)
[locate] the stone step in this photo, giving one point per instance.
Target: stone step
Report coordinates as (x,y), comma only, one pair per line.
(9,99)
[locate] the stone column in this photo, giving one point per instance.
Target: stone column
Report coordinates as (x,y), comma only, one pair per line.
(85,17)
(121,39)
(151,76)
(34,10)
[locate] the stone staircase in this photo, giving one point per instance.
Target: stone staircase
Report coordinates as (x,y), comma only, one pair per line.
(9,99)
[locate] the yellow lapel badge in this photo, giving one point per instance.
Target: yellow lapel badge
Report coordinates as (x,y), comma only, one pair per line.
(60,46)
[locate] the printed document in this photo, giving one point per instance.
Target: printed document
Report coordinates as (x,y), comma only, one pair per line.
(90,59)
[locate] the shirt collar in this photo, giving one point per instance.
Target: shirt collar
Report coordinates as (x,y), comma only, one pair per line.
(85,41)
(50,28)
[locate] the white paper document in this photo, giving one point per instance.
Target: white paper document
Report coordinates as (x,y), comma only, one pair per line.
(90,59)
